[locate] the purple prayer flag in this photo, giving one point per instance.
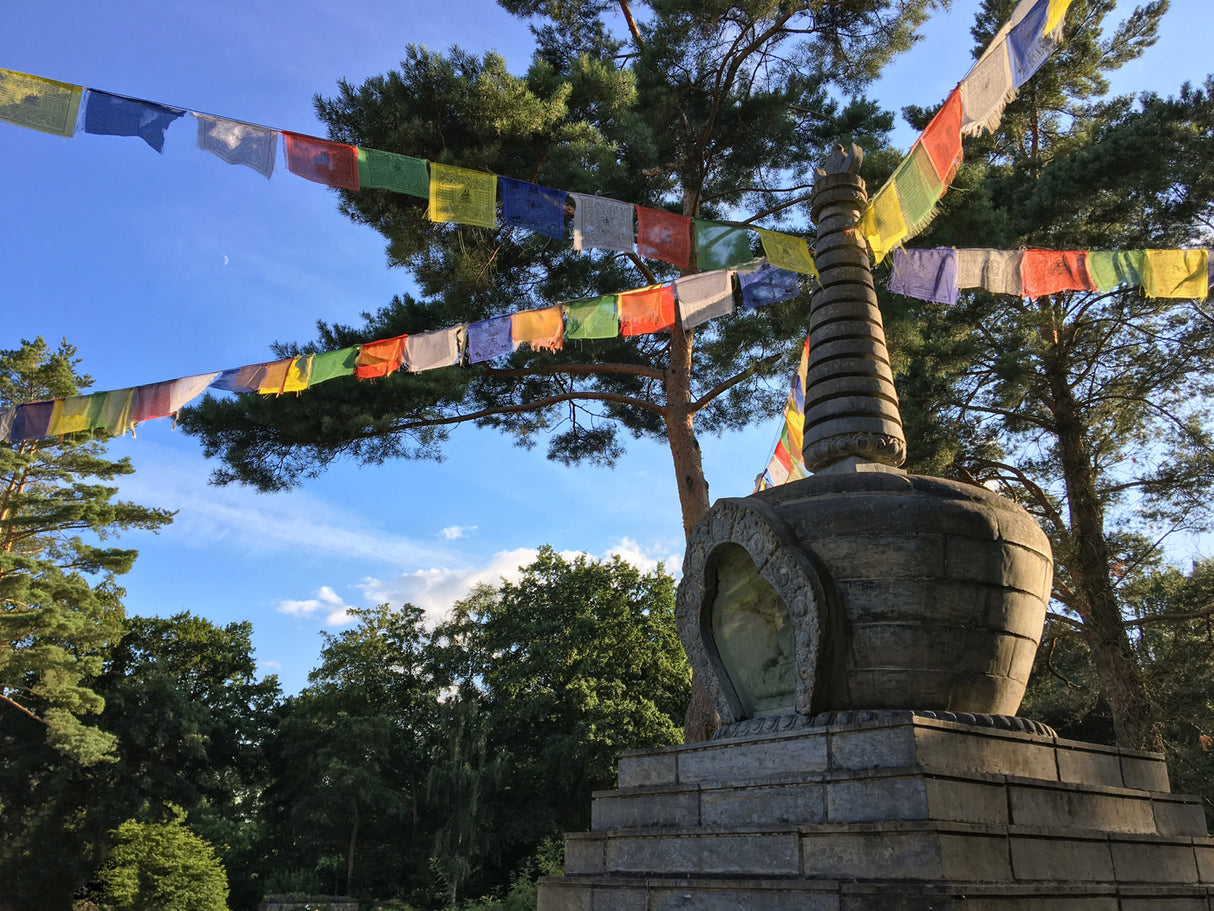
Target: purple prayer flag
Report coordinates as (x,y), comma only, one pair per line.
(489,338)
(32,421)
(530,206)
(929,275)
(117,115)
(1027,47)
(766,285)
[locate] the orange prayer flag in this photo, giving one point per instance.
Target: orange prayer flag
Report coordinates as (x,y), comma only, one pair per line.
(1050,271)
(380,358)
(647,310)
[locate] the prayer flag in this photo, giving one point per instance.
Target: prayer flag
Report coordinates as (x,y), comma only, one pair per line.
(32,421)
(1110,270)
(598,318)
(1056,13)
(332,364)
(929,275)
(158,400)
(462,196)
(1050,271)
(704,296)
(299,374)
(1029,43)
(333,164)
(390,171)
(882,225)
(918,188)
(942,138)
(647,310)
(985,91)
(1177,273)
(489,338)
(998,271)
(117,115)
(40,104)
(240,379)
(542,328)
(273,379)
(6,423)
(111,411)
(380,358)
(431,350)
(785,251)
(71,415)
(535,208)
(601,222)
(238,143)
(664,235)
(767,285)
(719,246)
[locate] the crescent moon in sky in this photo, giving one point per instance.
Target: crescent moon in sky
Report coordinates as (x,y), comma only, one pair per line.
(225,259)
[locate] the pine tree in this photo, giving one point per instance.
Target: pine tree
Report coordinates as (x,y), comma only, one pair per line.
(60,607)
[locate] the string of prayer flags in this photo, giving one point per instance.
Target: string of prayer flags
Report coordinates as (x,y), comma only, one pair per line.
(535,208)
(40,104)
(1177,273)
(998,271)
(929,275)
(333,164)
(380,358)
(238,143)
(590,319)
(719,246)
(390,171)
(540,328)
(116,115)
(332,364)
(431,350)
(703,296)
(767,285)
(1050,271)
(646,310)
(603,223)
(490,338)
(787,463)
(1113,269)
(786,251)
(664,235)
(463,196)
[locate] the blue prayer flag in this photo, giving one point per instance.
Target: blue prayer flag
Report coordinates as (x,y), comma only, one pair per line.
(489,338)
(117,115)
(32,421)
(1027,45)
(530,206)
(766,285)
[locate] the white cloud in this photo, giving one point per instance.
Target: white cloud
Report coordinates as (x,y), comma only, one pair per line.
(455,532)
(327,601)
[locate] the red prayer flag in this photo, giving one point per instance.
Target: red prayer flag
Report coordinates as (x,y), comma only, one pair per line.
(664,235)
(331,163)
(1050,271)
(942,138)
(380,358)
(647,310)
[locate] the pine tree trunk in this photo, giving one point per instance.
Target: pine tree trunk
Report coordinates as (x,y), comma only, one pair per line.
(1088,563)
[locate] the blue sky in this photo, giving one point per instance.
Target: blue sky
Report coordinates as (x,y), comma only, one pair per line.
(157,266)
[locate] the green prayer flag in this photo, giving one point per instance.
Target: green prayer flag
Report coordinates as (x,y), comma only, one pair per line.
(598,318)
(1110,270)
(719,246)
(389,171)
(919,188)
(332,364)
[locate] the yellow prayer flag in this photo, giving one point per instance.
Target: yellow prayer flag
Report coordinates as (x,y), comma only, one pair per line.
(462,196)
(71,415)
(40,104)
(883,225)
(299,374)
(1054,14)
(785,251)
(1177,273)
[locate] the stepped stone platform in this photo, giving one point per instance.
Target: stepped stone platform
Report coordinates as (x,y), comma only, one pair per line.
(896,812)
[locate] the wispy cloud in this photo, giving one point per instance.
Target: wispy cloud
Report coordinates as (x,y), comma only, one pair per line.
(327,603)
(455,532)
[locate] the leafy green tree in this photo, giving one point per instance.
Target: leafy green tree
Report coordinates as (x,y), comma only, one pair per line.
(576,661)
(163,866)
(1089,407)
(703,109)
(60,606)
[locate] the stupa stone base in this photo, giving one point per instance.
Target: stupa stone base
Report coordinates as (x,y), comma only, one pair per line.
(900,814)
